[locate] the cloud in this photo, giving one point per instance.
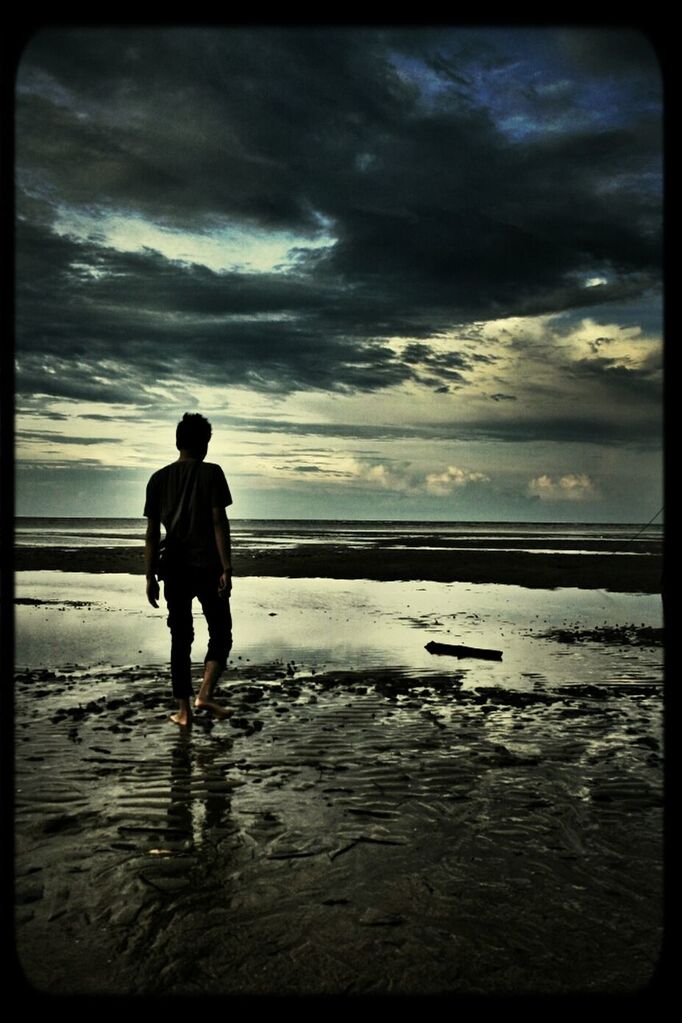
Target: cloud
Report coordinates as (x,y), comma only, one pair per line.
(622,53)
(572,487)
(396,477)
(364,472)
(402,477)
(145,320)
(436,215)
(599,426)
(428,207)
(43,437)
(451,479)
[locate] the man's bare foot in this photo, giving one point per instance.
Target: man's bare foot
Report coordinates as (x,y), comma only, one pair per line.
(204,698)
(220,712)
(183,717)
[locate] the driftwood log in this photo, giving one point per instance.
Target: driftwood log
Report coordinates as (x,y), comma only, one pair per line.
(463,651)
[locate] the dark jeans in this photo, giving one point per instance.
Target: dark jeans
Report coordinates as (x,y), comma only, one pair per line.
(180,588)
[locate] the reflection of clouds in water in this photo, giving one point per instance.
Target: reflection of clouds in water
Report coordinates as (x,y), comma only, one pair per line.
(198,821)
(334,623)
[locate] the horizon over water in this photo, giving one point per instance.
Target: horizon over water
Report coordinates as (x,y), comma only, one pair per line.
(290,518)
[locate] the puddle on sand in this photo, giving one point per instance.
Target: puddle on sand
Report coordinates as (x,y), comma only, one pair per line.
(327,624)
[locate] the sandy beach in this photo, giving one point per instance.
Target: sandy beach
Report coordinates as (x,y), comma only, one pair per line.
(372,820)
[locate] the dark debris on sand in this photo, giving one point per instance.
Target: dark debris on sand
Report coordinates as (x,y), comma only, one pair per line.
(617,635)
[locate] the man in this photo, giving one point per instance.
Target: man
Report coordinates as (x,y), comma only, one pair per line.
(189,497)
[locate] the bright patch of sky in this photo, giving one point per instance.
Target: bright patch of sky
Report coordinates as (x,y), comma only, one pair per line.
(583,105)
(229,247)
(528,81)
(594,282)
(432,86)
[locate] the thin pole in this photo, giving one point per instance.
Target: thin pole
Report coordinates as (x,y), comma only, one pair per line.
(649,522)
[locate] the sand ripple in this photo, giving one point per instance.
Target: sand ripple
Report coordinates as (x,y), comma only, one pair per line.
(340,833)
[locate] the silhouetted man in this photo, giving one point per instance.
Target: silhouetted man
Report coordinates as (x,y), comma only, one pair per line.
(189,497)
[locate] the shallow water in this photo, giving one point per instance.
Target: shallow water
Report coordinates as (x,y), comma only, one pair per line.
(327,624)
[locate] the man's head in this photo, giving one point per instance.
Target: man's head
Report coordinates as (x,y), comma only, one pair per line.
(193,434)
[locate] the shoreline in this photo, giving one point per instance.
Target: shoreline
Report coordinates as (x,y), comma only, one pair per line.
(614,572)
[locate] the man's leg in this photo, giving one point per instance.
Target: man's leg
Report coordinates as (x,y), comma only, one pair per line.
(219,620)
(178,596)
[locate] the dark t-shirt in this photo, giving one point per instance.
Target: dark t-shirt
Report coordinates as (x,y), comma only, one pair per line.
(201,486)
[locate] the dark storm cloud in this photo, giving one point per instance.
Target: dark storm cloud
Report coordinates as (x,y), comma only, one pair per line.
(644,385)
(314,469)
(64,465)
(438,216)
(623,53)
(43,436)
(38,413)
(98,417)
(193,124)
(66,377)
(643,432)
(155,320)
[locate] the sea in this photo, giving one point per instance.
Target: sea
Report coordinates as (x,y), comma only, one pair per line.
(628,539)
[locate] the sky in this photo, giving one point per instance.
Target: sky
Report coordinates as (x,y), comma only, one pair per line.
(406,273)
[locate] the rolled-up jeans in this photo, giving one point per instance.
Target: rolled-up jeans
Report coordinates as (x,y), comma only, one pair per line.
(180,588)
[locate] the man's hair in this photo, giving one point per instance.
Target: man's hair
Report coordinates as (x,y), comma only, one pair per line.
(193,432)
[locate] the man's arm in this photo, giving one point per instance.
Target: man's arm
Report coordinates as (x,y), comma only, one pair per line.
(151,552)
(223,543)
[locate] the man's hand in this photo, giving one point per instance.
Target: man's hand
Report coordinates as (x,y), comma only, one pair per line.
(153,591)
(151,556)
(222,540)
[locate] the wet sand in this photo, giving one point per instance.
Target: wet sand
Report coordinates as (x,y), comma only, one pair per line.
(374,831)
(628,572)
(372,819)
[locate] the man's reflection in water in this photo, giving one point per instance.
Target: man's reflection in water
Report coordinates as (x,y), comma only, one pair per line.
(187,870)
(199,812)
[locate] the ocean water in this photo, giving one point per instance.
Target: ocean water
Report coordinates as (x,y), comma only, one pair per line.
(628,539)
